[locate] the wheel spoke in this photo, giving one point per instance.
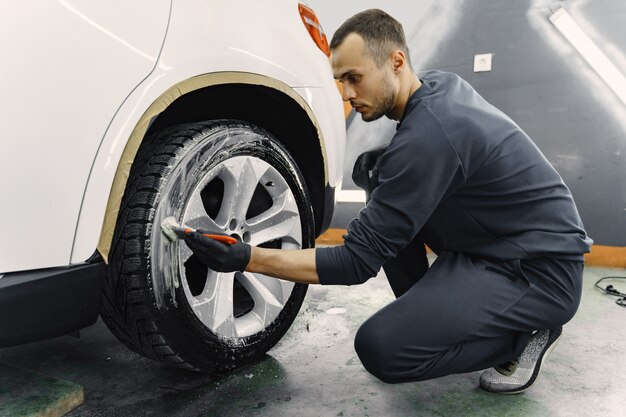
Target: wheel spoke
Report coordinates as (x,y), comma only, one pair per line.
(195,208)
(204,223)
(267,294)
(246,185)
(185,252)
(196,216)
(282,220)
(214,306)
(227,209)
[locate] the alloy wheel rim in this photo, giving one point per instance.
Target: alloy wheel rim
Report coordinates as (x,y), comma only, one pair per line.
(249,199)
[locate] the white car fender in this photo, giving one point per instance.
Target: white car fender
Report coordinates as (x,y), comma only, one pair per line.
(182,69)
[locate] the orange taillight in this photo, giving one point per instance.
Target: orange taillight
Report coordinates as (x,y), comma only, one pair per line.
(314,27)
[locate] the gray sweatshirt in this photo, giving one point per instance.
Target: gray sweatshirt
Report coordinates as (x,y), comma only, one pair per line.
(467,172)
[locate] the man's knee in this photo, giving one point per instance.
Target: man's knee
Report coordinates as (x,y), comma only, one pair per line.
(563,314)
(382,355)
(375,353)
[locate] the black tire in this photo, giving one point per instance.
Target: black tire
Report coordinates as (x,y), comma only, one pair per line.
(149,290)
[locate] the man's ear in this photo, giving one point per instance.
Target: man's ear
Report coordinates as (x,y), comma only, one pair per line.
(398,60)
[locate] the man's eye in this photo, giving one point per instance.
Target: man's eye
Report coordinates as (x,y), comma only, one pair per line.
(354,78)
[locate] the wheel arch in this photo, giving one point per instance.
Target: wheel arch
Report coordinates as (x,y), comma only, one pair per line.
(257,99)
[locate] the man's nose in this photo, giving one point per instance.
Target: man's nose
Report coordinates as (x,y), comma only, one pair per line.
(347,92)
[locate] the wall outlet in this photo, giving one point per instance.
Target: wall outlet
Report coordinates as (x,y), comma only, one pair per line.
(482,62)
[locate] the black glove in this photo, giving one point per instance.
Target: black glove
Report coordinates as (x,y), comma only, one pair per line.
(218,256)
(365,171)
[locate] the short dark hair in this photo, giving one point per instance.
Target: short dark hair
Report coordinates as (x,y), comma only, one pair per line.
(381,32)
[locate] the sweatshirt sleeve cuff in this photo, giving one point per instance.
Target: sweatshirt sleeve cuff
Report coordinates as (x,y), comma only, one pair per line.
(327,265)
(336,266)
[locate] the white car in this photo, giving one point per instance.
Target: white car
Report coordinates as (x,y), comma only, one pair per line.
(118,114)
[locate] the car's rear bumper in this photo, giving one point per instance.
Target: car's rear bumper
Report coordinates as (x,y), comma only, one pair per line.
(45,303)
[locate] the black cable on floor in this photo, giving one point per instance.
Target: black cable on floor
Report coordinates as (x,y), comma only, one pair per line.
(611,290)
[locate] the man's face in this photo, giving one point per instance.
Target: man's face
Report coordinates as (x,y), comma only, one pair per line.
(371,90)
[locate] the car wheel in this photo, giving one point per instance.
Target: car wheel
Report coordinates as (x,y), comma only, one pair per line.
(159,300)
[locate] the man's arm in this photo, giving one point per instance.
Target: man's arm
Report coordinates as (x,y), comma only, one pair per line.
(291,265)
(300,265)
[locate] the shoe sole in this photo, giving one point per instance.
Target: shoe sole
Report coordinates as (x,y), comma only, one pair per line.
(537,369)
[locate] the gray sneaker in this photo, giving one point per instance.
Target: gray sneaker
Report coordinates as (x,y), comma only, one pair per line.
(518,375)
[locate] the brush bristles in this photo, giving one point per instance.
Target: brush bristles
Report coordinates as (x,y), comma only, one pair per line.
(171,229)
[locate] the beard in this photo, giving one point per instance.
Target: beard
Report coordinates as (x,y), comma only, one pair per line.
(382,106)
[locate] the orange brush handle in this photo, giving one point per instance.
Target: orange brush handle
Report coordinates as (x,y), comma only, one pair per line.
(224,239)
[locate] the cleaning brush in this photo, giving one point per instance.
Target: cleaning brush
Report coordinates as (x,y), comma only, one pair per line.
(173,231)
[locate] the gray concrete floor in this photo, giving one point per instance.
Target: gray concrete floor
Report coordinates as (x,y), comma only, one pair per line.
(314,370)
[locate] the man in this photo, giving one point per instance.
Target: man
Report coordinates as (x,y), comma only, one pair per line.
(464,179)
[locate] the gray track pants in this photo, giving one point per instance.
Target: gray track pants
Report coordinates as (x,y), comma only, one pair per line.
(464,313)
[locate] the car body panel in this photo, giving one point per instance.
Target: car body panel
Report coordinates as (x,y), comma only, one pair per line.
(72,209)
(298,62)
(181,69)
(62,86)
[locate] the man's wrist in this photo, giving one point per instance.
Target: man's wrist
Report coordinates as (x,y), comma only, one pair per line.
(254,261)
